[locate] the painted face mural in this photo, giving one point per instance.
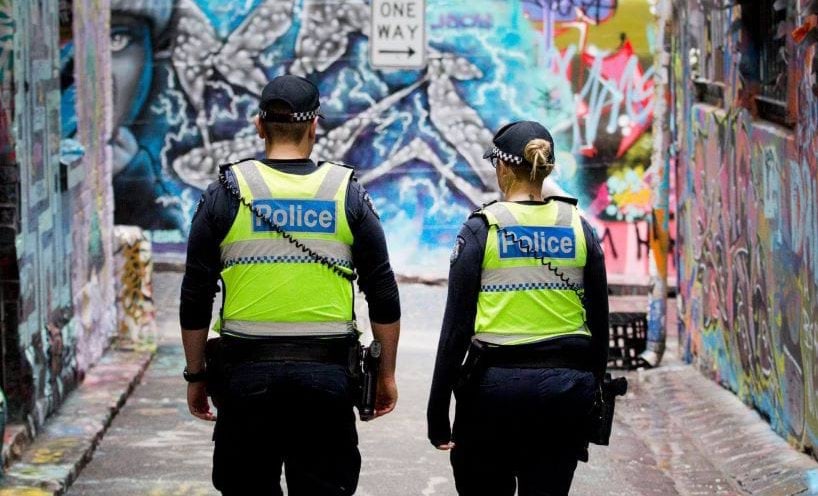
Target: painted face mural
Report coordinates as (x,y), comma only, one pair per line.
(185,93)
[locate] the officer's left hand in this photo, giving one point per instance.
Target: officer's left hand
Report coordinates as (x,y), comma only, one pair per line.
(197,401)
(386,396)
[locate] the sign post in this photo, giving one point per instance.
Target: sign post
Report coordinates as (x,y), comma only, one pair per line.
(397,36)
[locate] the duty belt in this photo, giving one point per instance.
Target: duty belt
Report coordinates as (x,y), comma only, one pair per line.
(523,356)
(341,351)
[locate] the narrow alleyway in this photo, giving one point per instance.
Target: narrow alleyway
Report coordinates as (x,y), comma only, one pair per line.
(676,433)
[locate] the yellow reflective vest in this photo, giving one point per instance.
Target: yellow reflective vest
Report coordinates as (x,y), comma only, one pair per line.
(272,287)
(521,301)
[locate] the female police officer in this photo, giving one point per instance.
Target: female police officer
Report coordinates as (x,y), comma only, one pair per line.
(538,347)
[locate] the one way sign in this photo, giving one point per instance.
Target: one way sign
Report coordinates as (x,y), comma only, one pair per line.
(397,38)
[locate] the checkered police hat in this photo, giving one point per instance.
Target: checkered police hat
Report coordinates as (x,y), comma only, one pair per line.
(299,94)
(510,141)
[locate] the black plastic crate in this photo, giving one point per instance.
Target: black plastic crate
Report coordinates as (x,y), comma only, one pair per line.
(627,339)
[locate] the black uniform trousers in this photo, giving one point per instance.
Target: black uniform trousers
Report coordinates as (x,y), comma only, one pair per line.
(295,414)
(520,426)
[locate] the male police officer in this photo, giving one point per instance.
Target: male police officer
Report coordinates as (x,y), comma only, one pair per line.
(287,320)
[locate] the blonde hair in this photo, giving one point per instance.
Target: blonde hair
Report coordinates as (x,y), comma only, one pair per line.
(538,152)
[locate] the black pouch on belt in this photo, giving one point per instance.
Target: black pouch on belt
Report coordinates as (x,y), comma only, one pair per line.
(473,365)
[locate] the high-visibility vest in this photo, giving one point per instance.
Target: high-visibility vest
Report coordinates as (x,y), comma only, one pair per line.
(521,301)
(272,287)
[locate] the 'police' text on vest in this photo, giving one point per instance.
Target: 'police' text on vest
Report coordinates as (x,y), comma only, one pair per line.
(550,242)
(312,216)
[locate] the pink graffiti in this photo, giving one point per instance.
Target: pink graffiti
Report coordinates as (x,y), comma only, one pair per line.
(617,81)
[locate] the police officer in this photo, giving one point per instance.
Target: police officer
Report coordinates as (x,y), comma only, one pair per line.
(536,347)
(287,321)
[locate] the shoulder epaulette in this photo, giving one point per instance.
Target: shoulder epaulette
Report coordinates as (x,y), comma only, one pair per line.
(337,162)
(353,178)
(477,211)
(564,199)
(224,167)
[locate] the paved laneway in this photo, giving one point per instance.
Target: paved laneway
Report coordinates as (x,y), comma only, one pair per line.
(677,433)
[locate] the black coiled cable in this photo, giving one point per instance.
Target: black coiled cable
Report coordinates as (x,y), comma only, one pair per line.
(326,262)
(524,246)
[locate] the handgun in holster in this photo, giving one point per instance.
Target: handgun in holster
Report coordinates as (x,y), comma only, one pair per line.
(370,368)
(602,414)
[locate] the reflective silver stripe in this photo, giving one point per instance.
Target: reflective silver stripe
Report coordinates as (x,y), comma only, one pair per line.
(565,213)
(335,250)
(529,275)
(501,339)
(332,181)
(504,216)
(252,176)
(271,329)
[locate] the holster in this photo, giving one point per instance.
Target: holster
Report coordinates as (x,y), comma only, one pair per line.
(370,369)
(600,420)
(215,370)
(473,365)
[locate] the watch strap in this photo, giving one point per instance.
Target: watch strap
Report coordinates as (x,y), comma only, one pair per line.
(200,376)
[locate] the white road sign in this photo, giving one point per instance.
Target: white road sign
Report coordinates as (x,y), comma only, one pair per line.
(397,38)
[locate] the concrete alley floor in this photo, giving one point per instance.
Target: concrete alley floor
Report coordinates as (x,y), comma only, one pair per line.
(676,433)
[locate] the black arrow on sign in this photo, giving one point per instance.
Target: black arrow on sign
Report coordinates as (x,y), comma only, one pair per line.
(409,51)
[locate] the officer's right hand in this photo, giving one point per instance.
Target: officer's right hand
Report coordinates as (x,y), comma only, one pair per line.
(386,397)
(197,401)
(445,447)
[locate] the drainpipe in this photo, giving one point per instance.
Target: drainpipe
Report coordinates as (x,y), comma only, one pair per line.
(659,235)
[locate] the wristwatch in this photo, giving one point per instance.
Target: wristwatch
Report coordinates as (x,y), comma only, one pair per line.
(200,376)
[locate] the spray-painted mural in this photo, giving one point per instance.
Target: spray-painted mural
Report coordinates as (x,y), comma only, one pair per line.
(86,135)
(187,75)
(9,195)
(748,221)
(136,313)
(53,327)
(38,352)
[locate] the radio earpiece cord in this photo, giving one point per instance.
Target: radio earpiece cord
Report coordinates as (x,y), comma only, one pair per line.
(284,234)
(526,248)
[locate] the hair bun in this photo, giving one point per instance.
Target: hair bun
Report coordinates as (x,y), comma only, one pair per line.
(538,153)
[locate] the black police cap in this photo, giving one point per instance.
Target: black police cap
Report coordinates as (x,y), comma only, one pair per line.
(299,94)
(510,142)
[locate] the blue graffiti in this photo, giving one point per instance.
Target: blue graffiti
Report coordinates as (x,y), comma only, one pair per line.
(415,136)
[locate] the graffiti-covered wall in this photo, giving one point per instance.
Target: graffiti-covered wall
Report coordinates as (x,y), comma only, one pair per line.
(187,75)
(9,191)
(748,221)
(38,356)
(89,177)
(56,200)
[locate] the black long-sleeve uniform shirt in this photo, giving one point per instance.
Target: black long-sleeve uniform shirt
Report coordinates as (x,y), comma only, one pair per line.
(211,223)
(461,311)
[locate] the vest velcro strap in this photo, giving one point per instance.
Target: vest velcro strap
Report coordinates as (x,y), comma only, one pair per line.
(529,277)
(332,181)
(502,213)
(252,176)
(250,328)
(565,214)
(281,250)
